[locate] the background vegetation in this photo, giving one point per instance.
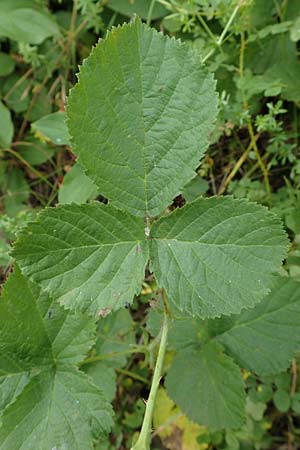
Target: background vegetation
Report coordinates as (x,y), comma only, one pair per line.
(252,46)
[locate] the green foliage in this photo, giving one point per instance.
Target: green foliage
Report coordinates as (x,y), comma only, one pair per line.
(89,257)
(148,105)
(208,254)
(141,118)
(52,127)
(208,387)
(23,21)
(264,339)
(41,345)
(77,187)
(6,126)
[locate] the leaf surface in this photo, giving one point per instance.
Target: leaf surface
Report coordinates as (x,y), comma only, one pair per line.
(77,187)
(90,257)
(55,410)
(141,114)
(6,127)
(265,338)
(216,256)
(53,127)
(208,387)
(26,24)
(49,403)
(139,7)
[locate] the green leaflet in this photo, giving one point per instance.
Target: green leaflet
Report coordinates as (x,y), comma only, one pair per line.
(265,338)
(213,256)
(7,64)
(88,256)
(17,191)
(52,127)
(208,387)
(139,7)
(115,335)
(76,187)
(55,410)
(25,24)
(41,344)
(6,127)
(216,256)
(141,114)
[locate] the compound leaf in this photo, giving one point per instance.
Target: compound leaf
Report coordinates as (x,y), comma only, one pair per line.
(91,257)
(49,402)
(140,117)
(216,256)
(265,338)
(208,387)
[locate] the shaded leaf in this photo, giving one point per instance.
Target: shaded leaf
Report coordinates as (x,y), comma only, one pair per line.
(26,24)
(139,7)
(53,128)
(35,152)
(7,64)
(16,192)
(265,338)
(17,93)
(6,127)
(208,387)
(115,334)
(77,187)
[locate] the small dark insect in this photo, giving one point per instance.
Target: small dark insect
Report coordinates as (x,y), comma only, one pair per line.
(127,305)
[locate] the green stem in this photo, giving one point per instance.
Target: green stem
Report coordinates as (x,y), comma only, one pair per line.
(31,168)
(223,34)
(260,161)
(206,28)
(112,355)
(143,442)
(133,375)
(149,16)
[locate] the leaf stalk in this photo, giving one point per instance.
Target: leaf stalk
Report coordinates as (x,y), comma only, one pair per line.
(143,442)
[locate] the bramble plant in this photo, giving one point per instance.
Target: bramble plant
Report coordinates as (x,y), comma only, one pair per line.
(139,119)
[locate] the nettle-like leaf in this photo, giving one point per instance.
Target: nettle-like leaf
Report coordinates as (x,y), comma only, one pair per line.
(208,387)
(265,338)
(215,256)
(88,256)
(48,402)
(140,116)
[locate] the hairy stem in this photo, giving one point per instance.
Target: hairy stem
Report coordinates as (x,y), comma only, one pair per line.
(144,439)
